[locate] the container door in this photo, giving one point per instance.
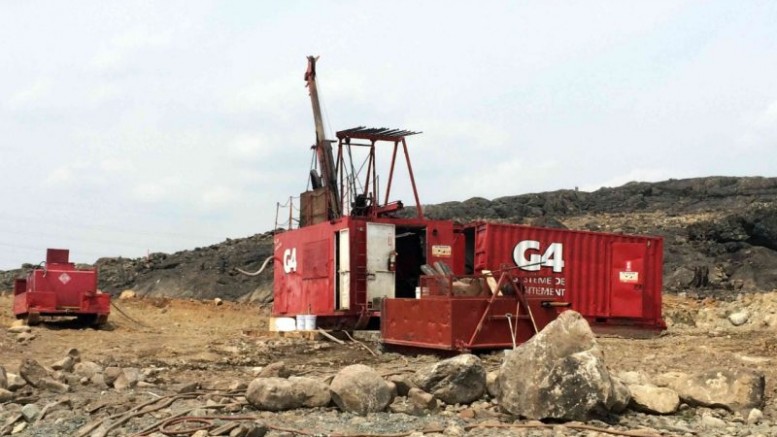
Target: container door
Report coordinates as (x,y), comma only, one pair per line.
(343,287)
(380,248)
(626,279)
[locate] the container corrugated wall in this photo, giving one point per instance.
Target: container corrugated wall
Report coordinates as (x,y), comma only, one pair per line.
(608,278)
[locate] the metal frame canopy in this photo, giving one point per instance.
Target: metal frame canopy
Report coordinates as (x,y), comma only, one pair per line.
(366,203)
(374,134)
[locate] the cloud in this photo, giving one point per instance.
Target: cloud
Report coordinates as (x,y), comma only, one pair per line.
(275,97)
(61,175)
(251,146)
(760,131)
(165,189)
(70,174)
(768,118)
(116,53)
(141,37)
(217,197)
(32,96)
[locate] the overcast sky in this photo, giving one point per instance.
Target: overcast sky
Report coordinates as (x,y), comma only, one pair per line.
(128,127)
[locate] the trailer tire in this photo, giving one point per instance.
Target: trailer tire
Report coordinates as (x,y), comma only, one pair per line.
(87,319)
(33,319)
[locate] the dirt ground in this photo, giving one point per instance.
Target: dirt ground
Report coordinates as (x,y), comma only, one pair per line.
(201,341)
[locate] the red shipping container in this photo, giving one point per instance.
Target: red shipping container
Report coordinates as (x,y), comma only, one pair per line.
(611,279)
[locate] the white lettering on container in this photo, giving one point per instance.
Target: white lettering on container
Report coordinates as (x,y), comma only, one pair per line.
(527,256)
(290,260)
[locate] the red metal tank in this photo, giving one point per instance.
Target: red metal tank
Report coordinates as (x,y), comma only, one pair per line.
(611,279)
(60,288)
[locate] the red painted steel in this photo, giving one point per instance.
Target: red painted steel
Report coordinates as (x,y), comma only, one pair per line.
(610,279)
(60,288)
(448,323)
(305,276)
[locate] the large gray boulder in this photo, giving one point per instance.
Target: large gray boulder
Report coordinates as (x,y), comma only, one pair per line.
(734,390)
(274,394)
(457,380)
(558,374)
(360,389)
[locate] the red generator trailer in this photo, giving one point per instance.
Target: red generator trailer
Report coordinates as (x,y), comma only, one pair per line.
(59,288)
(354,261)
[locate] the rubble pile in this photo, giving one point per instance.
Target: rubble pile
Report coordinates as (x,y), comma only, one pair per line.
(558,382)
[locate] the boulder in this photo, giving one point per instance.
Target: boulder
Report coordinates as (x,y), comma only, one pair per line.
(187,387)
(5,395)
(422,400)
(15,382)
(256,429)
(403,405)
(403,383)
(127,294)
(621,395)
(87,369)
(457,380)
(739,318)
(754,416)
(19,329)
(708,421)
(30,412)
(32,371)
(491,386)
(99,380)
(74,354)
(654,400)
(111,374)
(360,389)
(314,393)
(65,364)
(275,370)
(734,390)
(274,394)
(558,374)
(53,385)
(634,378)
(128,378)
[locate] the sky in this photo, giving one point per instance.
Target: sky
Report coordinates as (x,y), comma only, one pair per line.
(131,127)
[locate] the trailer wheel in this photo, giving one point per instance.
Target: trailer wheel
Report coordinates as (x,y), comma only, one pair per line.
(86,319)
(33,319)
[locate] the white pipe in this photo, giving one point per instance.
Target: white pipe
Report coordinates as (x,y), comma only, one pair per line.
(258,272)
